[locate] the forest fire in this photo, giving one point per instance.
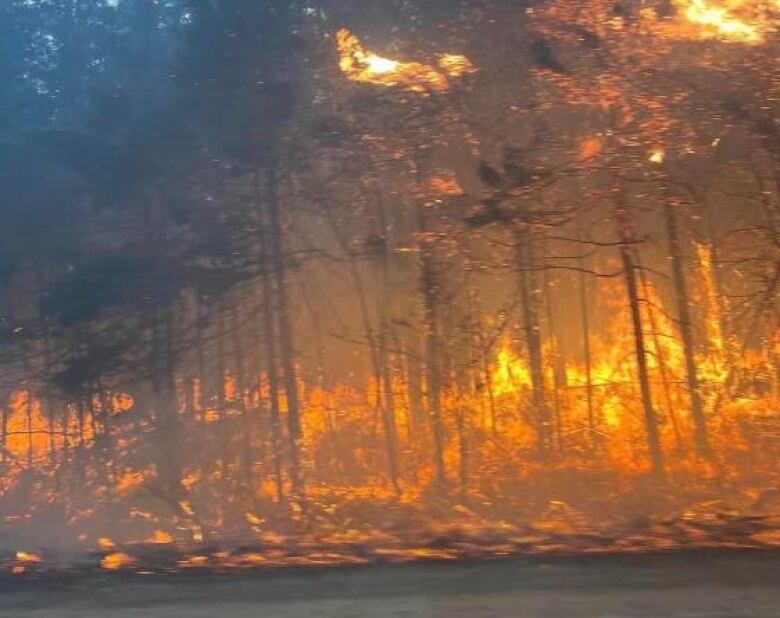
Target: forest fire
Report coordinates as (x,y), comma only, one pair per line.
(537,315)
(593,431)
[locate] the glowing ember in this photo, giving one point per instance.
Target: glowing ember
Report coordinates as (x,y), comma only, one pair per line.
(160,537)
(445,184)
(657,156)
(591,147)
(131,480)
(115,561)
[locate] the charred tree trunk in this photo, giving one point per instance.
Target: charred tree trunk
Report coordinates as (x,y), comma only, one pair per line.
(585,321)
(47,403)
(529,306)
(199,398)
(257,398)
(414,381)
(268,310)
(106,441)
(660,357)
(221,365)
(429,288)
(632,290)
(701,436)
(80,416)
(286,346)
(240,395)
(388,416)
(377,346)
(28,409)
(384,361)
(463,455)
(4,428)
(164,403)
(559,370)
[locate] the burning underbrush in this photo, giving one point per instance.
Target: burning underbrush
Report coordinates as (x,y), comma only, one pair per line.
(402,533)
(109,487)
(556,509)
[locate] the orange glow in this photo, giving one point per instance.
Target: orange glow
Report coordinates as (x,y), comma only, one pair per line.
(27,428)
(115,561)
(160,537)
(657,156)
(131,480)
(343,441)
(444,184)
(590,147)
(23,556)
(511,373)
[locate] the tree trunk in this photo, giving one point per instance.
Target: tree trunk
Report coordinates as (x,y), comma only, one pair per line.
(388,415)
(559,369)
(167,429)
(167,432)
(28,408)
(221,365)
(629,272)
(270,336)
(384,361)
(585,316)
(701,437)
(661,358)
(246,458)
(526,264)
(4,428)
(199,399)
(377,346)
(47,403)
(286,345)
(429,288)
(414,381)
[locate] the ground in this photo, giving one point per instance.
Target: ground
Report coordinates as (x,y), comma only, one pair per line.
(727,584)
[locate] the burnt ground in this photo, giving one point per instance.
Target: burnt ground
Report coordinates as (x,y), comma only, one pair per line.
(728,584)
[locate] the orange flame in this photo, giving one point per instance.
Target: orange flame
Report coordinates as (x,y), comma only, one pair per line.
(747,22)
(361,65)
(723,21)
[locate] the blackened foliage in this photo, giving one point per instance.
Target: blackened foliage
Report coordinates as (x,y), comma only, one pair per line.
(119,281)
(515,174)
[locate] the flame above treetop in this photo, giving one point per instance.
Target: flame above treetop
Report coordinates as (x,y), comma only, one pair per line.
(361,65)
